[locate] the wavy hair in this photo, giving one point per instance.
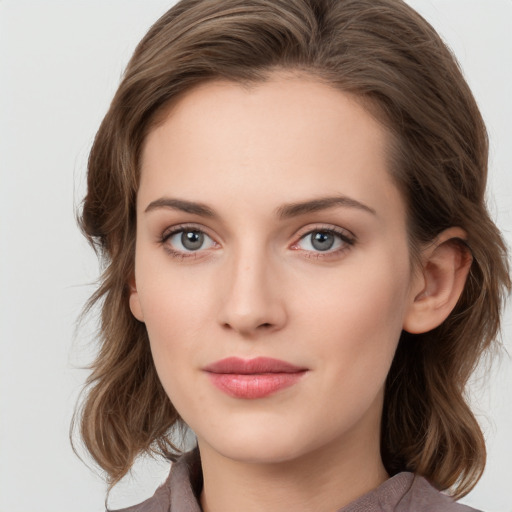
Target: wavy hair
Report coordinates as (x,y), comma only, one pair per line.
(393,61)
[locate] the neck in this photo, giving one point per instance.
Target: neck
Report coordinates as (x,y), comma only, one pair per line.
(326,479)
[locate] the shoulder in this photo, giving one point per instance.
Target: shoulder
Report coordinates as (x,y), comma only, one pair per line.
(405,492)
(423,497)
(179,492)
(159,502)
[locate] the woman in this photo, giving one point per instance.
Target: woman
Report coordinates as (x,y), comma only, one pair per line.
(289,199)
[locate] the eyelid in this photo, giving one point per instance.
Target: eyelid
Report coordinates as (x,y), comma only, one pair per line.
(178,228)
(190,226)
(347,238)
(344,233)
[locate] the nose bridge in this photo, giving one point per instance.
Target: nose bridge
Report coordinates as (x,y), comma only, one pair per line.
(252,300)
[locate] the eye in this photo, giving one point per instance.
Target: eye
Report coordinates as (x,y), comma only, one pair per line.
(185,240)
(323,241)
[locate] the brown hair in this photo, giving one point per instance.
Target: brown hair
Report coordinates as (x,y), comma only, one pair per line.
(389,57)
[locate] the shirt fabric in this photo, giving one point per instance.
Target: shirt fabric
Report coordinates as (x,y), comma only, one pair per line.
(404,492)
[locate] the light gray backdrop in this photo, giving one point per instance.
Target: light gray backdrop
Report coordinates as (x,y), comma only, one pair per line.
(60,62)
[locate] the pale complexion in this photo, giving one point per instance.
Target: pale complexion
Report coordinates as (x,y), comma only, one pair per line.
(269,270)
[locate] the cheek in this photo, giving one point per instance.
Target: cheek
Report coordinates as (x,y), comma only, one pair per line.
(175,309)
(171,316)
(359,318)
(177,328)
(356,334)
(172,298)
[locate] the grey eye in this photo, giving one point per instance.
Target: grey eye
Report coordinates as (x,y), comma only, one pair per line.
(190,240)
(322,240)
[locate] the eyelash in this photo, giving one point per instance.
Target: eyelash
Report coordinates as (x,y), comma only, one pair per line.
(182,228)
(347,240)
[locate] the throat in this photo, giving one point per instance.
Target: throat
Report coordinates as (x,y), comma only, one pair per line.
(325,482)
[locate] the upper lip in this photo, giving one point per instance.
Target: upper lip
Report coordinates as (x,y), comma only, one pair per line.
(237,365)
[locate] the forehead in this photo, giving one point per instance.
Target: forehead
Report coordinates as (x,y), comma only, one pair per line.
(284,100)
(276,141)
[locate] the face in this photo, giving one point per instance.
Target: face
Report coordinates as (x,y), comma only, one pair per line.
(272,266)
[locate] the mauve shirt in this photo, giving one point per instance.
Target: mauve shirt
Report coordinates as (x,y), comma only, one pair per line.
(403,492)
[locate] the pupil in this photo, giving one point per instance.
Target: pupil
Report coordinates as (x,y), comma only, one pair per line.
(192,240)
(322,241)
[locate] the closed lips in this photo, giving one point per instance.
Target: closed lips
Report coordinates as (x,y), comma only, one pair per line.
(258,365)
(253,378)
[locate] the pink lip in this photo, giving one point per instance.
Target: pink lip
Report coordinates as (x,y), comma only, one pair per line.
(253,378)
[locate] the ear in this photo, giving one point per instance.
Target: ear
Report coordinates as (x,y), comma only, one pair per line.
(134,301)
(439,283)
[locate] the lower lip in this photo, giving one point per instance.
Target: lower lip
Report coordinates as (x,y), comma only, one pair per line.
(257,385)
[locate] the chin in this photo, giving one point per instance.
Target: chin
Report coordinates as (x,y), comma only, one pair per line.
(258,452)
(262,445)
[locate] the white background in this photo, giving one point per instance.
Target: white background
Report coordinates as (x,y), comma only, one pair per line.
(60,63)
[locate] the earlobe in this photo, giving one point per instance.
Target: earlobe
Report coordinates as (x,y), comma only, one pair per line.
(134,301)
(444,271)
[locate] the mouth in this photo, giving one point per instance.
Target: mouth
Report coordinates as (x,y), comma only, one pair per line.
(253,378)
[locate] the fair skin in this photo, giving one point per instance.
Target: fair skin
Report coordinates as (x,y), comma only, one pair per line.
(237,257)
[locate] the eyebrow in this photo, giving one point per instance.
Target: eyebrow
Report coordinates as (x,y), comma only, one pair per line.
(295,209)
(182,205)
(283,212)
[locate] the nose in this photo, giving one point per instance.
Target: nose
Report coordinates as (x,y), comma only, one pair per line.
(252,302)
